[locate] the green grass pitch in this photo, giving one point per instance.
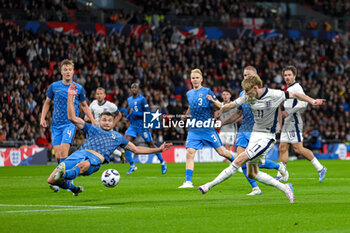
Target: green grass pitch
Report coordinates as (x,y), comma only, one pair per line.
(147,201)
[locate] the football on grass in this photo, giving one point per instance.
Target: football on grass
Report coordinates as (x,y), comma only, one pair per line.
(110,178)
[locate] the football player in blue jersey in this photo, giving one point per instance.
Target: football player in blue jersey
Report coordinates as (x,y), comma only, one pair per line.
(137,106)
(62,130)
(99,145)
(244,133)
(200,130)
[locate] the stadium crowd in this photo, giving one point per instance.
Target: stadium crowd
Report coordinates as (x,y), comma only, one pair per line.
(162,63)
(229,8)
(334,8)
(34,9)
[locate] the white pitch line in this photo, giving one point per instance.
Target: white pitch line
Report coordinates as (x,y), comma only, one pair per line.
(198,177)
(61,208)
(27,211)
(69,206)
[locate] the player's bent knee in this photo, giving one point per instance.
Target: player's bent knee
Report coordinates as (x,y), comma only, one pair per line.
(221,151)
(84,166)
(298,149)
(51,180)
(251,175)
(283,148)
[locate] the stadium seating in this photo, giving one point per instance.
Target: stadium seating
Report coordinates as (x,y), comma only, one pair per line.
(161,62)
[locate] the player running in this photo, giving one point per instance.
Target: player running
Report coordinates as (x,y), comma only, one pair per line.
(264,103)
(200,110)
(99,144)
(137,106)
(228,132)
(244,134)
(62,130)
(100,105)
(292,131)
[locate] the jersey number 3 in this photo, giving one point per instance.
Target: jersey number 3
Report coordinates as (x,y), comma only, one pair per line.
(200,101)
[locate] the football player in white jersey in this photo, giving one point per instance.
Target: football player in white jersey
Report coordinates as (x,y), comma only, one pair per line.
(100,105)
(228,132)
(265,104)
(292,131)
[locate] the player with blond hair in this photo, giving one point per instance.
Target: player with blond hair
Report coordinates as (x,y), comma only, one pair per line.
(244,134)
(265,104)
(62,130)
(200,101)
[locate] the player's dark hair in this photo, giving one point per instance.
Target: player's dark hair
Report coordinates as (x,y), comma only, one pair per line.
(291,68)
(106,114)
(226,90)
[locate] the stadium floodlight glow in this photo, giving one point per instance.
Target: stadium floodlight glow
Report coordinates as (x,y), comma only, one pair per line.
(89,3)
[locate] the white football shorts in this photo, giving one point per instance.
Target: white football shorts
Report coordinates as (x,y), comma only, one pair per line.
(228,137)
(259,144)
(292,134)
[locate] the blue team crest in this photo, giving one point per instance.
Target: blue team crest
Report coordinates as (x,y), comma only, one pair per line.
(268,104)
(151,120)
(200,94)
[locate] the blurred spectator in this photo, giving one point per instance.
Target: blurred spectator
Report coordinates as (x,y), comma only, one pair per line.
(2,135)
(42,140)
(162,66)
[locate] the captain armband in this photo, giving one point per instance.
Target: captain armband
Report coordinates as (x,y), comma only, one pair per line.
(286,93)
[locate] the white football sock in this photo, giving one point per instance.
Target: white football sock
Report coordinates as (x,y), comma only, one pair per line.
(269,180)
(279,174)
(317,164)
(225,174)
(117,153)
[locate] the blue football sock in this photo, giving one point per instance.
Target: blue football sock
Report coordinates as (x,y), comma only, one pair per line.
(269,164)
(160,157)
(251,181)
(189,174)
(232,157)
(67,184)
(71,174)
(128,156)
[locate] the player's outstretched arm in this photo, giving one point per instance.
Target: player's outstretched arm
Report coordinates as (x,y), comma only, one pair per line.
(44,112)
(88,112)
(225,108)
(147,150)
(234,118)
(117,119)
(77,121)
(303,97)
(216,103)
(186,114)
